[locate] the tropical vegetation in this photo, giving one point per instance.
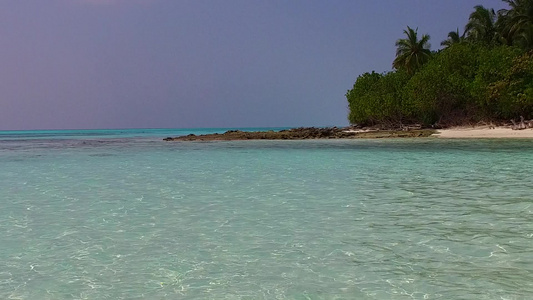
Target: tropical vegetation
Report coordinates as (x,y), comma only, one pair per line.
(484,73)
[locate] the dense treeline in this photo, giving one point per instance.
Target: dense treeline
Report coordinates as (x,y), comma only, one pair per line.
(486,73)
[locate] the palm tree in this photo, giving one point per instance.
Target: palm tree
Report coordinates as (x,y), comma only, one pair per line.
(516,23)
(524,38)
(453,38)
(411,53)
(481,26)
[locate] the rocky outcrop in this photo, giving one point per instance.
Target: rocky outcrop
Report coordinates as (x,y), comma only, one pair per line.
(304,133)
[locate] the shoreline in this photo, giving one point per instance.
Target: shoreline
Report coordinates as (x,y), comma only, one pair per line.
(483,132)
(306,133)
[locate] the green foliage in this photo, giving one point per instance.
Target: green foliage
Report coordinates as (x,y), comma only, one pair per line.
(412,53)
(516,24)
(514,92)
(453,38)
(484,74)
(481,26)
(360,97)
(490,83)
(376,98)
(439,92)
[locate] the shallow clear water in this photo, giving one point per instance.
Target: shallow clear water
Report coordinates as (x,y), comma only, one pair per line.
(139,218)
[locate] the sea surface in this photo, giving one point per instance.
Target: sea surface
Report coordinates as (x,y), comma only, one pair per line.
(121,214)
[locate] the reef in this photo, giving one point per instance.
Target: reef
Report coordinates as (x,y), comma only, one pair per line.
(306,133)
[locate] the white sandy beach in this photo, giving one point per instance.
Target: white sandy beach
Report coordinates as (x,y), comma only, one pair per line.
(484,132)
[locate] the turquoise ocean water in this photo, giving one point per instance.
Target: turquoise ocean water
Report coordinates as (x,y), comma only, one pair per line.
(120,214)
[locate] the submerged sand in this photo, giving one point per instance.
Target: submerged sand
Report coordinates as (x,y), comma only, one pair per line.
(484,132)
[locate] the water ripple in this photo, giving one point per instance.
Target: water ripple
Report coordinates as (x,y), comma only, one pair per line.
(409,219)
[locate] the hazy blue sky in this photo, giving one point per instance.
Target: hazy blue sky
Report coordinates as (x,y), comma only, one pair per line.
(200,63)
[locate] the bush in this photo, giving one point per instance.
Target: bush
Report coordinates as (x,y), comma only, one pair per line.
(516,88)
(490,83)
(360,98)
(460,84)
(440,91)
(376,98)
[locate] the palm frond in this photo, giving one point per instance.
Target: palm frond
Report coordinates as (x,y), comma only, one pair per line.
(411,52)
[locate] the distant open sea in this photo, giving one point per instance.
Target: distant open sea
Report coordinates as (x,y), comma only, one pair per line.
(121,214)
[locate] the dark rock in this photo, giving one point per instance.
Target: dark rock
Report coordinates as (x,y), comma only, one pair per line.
(303,133)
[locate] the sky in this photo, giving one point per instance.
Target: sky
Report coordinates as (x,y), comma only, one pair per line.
(91,64)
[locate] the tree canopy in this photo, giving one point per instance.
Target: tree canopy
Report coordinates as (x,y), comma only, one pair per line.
(481,26)
(484,73)
(411,52)
(516,23)
(453,38)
